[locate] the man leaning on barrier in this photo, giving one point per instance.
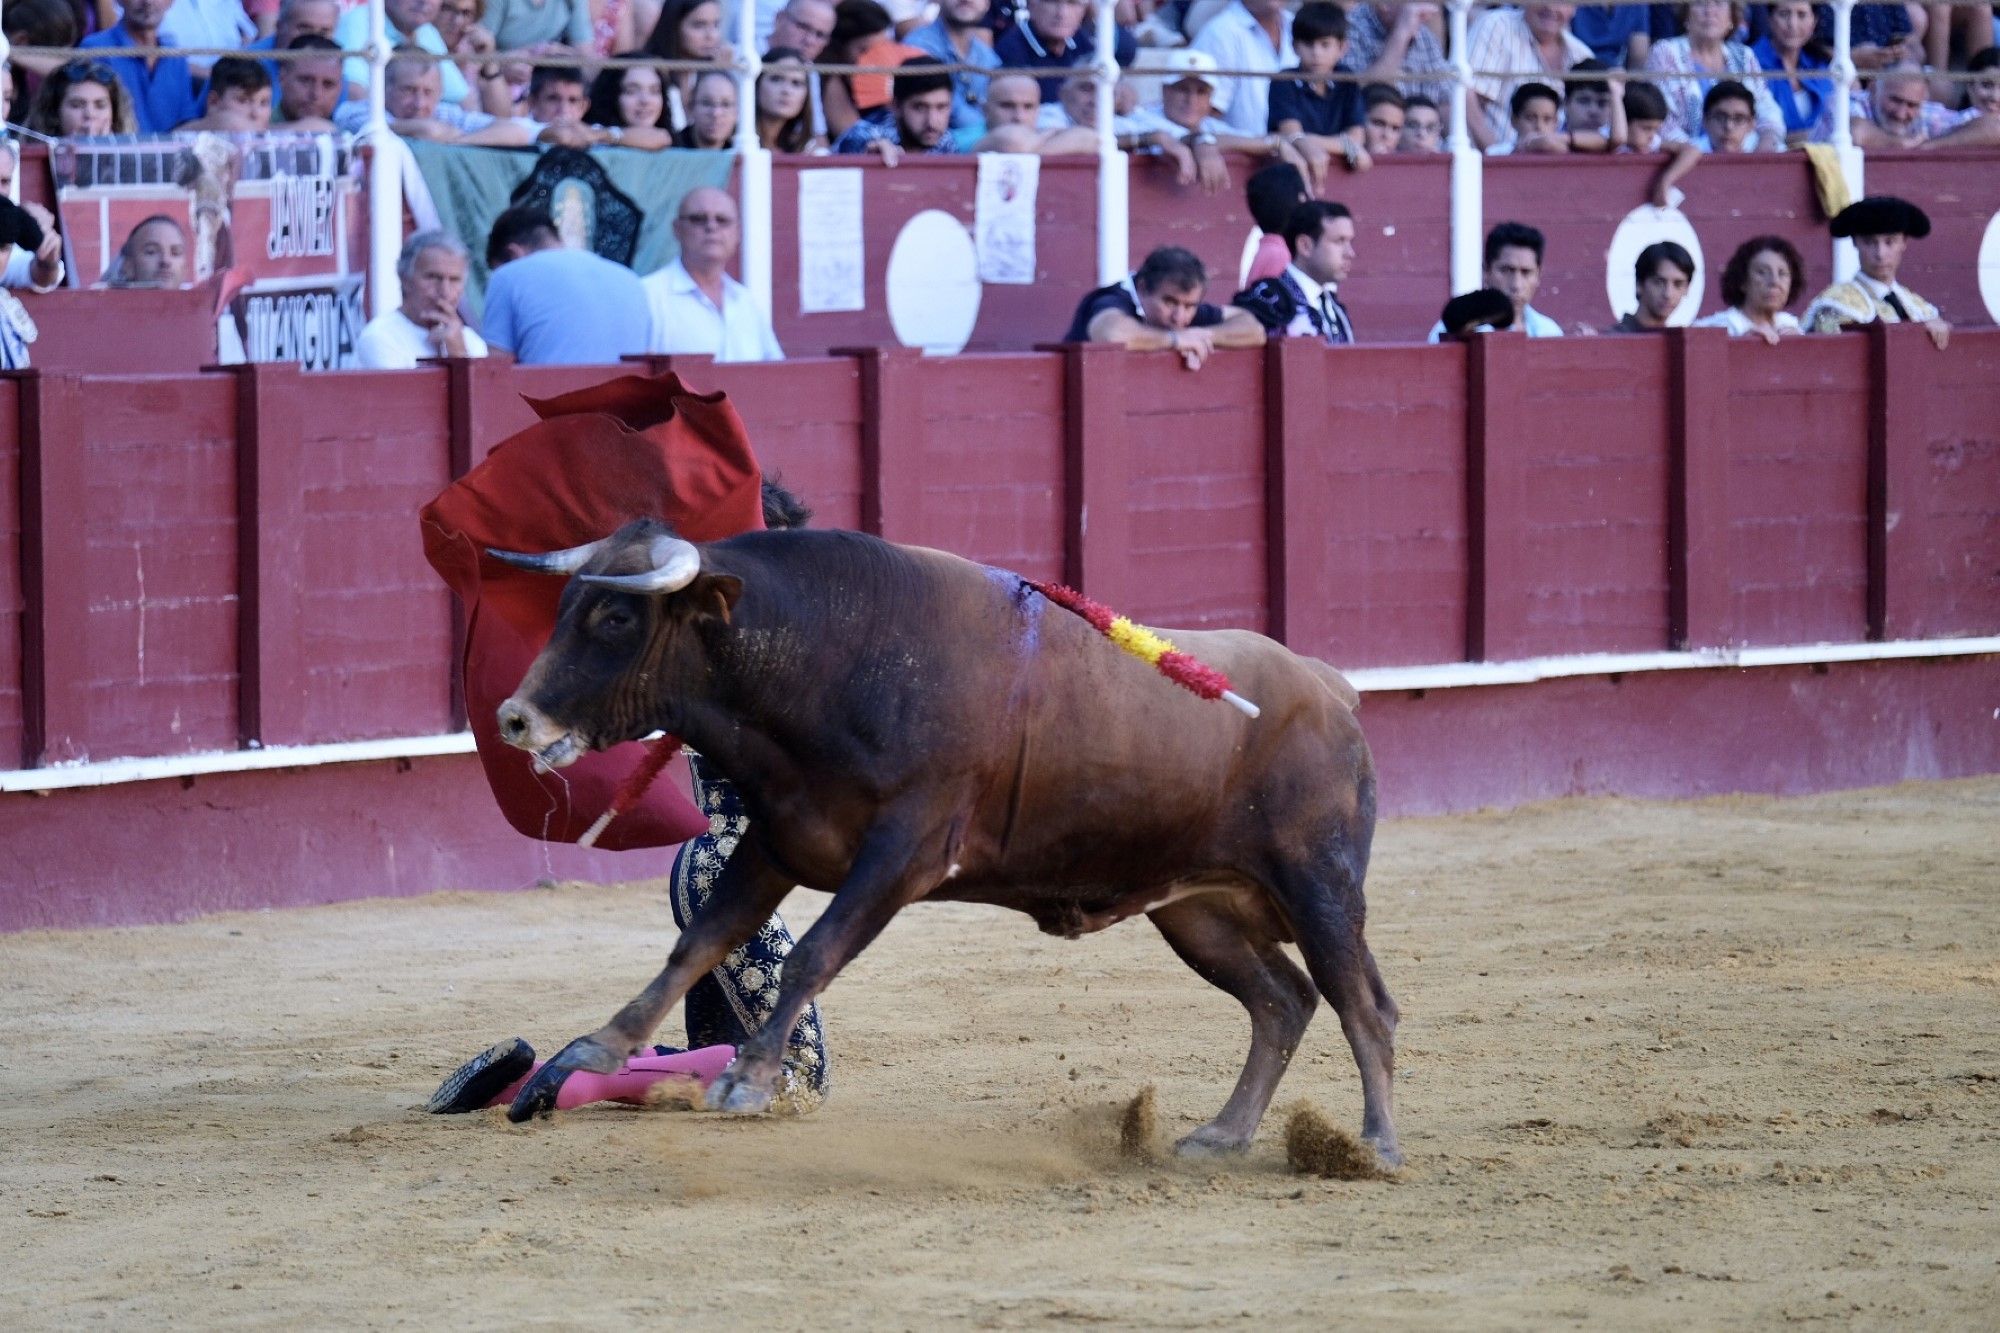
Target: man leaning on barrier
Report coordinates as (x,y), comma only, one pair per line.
(1159,308)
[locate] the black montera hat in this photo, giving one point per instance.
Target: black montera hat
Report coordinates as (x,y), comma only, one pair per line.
(1485,306)
(1881,214)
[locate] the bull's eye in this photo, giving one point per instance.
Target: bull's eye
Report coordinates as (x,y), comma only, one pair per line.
(614,621)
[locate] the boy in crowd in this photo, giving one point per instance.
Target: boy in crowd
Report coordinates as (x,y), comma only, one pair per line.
(239,98)
(1423,126)
(1661,275)
(1535,112)
(1646,129)
(1513,267)
(1382,121)
(1728,119)
(1316,104)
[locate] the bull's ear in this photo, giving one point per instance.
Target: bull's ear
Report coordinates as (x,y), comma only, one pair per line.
(715,595)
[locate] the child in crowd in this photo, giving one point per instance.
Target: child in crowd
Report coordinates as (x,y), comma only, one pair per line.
(1646,128)
(1316,104)
(1423,126)
(1535,111)
(1382,121)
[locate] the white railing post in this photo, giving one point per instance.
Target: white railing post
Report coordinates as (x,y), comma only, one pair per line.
(1114,185)
(1468,185)
(753,164)
(385,174)
(1846,261)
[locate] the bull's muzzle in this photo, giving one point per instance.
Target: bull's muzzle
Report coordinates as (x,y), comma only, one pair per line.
(526,727)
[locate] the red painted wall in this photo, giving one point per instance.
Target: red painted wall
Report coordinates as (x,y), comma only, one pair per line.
(1961,193)
(12,598)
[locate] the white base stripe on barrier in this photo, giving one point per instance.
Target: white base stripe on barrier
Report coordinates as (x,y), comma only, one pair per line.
(1373,680)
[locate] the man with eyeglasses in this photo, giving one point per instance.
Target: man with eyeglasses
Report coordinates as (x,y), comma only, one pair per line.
(296,19)
(1728,120)
(162,86)
(697,308)
(1059,35)
(804,26)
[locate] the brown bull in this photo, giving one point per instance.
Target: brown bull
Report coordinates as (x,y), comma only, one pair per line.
(905,724)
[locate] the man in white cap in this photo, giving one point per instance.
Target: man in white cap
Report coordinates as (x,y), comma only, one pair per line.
(1186,111)
(1882,227)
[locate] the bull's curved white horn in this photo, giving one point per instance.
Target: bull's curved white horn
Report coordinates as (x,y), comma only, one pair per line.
(675,563)
(552,562)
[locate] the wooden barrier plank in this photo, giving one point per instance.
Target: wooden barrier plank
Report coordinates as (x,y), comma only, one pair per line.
(1097,520)
(271,570)
(55,658)
(892,442)
(12,604)
(1698,582)
(1497,370)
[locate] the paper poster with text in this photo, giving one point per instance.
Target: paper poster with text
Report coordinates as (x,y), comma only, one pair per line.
(281,216)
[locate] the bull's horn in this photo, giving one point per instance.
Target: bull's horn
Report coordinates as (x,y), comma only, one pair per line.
(675,563)
(553,562)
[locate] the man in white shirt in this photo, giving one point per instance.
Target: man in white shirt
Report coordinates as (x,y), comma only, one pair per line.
(697,308)
(432,268)
(1513,258)
(1250,34)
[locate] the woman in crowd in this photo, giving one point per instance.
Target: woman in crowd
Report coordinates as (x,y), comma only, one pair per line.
(687,30)
(1707,54)
(1783,50)
(632,101)
(1764,276)
(784,103)
(81,99)
(711,112)
(863,34)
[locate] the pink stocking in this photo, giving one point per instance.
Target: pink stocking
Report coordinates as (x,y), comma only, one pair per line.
(630,1084)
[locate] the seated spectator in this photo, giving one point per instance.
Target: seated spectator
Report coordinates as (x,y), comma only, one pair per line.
(1184,112)
(39,23)
(82,99)
(1423,126)
(539,25)
(960,36)
(1728,119)
(1513,267)
(408,23)
(1382,121)
(1897,112)
(1661,276)
(863,34)
(1594,107)
(432,270)
(1621,36)
(1017,122)
(296,19)
(686,30)
(1483,311)
(34,261)
(1316,104)
(1705,54)
(711,112)
(155,254)
(1648,126)
(162,86)
(922,121)
(1510,40)
(1782,50)
(784,104)
(1160,308)
(1980,127)
(218,24)
(630,105)
(1534,118)
(1058,35)
(413,100)
(1879,34)
(804,26)
(238,99)
(471,45)
(309,88)
(1399,43)
(1882,227)
(697,309)
(1304,300)
(1272,193)
(1249,35)
(549,305)
(1759,284)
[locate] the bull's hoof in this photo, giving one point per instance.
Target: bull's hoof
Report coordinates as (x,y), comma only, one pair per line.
(1386,1152)
(537,1096)
(1208,1141)
(591,1054)
(737,1095)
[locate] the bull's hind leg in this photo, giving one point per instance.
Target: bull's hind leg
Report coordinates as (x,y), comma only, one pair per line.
(1327,914)
(1236,955)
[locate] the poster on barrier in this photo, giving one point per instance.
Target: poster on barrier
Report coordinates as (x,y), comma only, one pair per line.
(280,216)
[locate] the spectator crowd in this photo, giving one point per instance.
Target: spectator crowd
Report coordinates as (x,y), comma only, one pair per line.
(1305,90)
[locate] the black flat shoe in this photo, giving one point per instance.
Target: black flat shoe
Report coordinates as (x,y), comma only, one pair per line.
(482,1078)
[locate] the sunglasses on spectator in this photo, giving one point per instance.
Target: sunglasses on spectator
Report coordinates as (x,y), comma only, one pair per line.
(87,71)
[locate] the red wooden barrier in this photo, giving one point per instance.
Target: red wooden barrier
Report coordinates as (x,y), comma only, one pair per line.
(12,596)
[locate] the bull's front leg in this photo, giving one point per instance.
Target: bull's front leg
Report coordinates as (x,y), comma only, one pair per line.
(893,869)
(746,893)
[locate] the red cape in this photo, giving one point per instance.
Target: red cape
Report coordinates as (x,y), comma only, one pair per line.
(631,448)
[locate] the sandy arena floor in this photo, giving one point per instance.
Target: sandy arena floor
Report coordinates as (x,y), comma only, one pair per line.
(1727,1063)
